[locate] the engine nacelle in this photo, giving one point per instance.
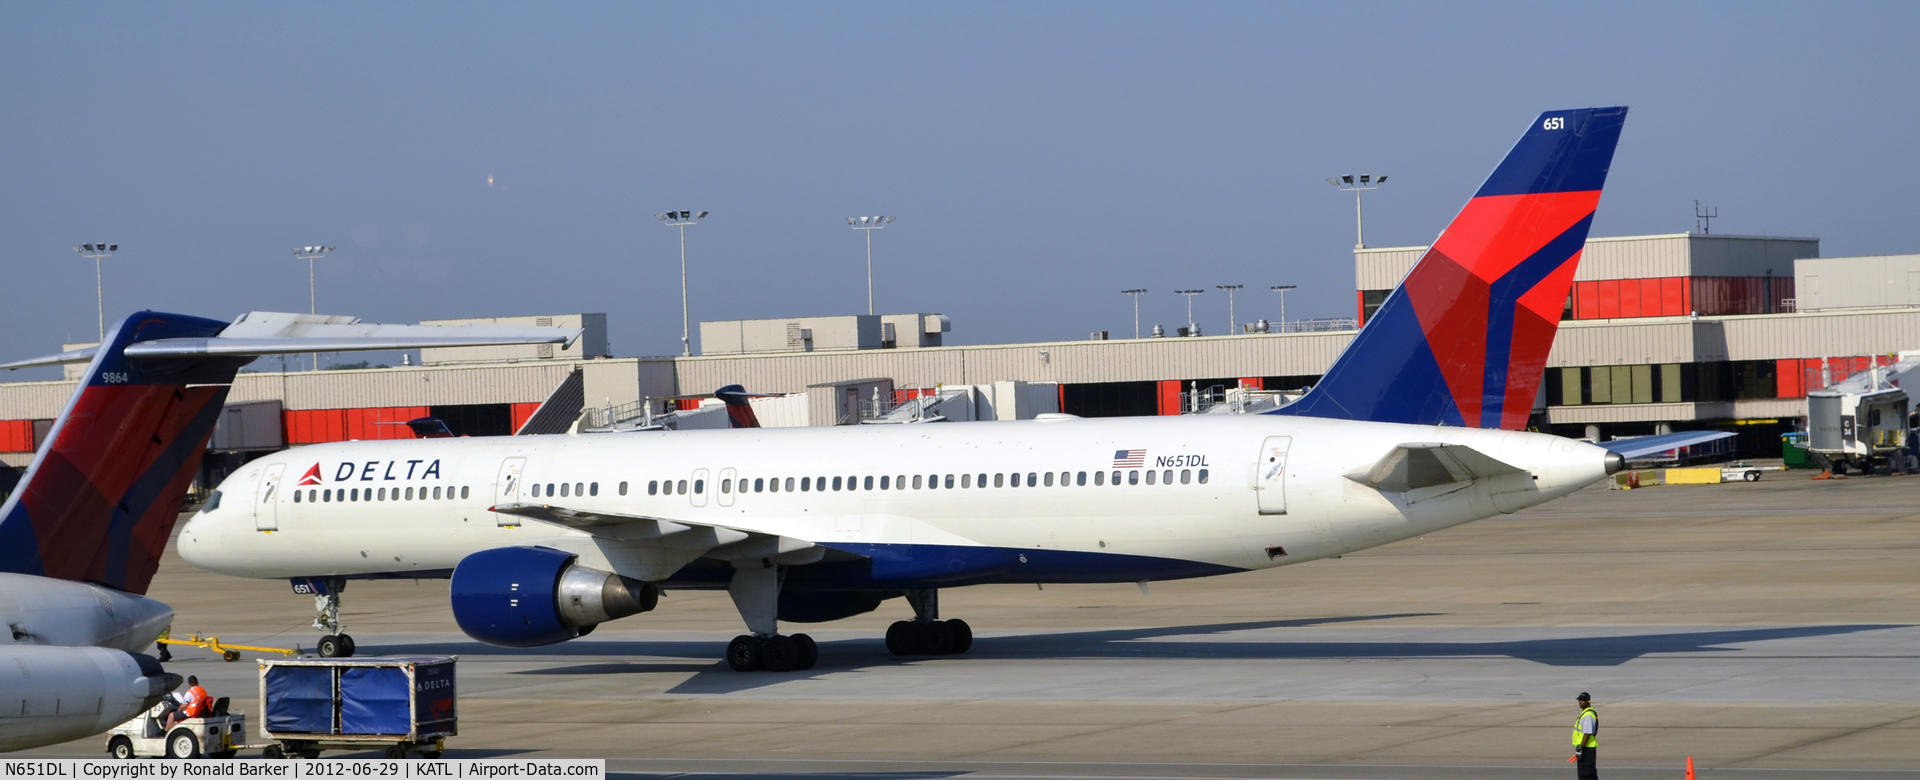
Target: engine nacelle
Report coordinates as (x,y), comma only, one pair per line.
(50,695)
(533,596)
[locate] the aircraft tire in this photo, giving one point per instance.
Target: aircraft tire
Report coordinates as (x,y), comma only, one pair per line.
(350,645)
(779,653)
(744,655)
(962,635)
(902,639)
(809,652)
(330,646)
(936,637)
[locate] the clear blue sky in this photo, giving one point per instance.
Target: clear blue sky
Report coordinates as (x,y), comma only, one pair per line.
(1041,156)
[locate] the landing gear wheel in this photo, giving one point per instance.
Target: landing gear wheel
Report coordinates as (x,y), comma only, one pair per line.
(744,655)
(779,653)
(902,639)
(809,652)
(230,656)
(936,638)
(183,744)
(962,635)
(331,647)
(121,748)
(397,752)
(350,646)
(272,751)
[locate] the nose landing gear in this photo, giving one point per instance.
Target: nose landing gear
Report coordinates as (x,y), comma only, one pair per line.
(326,617)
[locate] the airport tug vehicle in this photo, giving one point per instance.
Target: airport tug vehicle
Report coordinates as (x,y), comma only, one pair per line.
(216,735)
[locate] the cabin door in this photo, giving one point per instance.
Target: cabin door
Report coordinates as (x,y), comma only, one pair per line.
(266,511)
(507,489)
(1270,475)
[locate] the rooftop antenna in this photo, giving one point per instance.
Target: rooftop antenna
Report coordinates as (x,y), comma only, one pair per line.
(1703,218)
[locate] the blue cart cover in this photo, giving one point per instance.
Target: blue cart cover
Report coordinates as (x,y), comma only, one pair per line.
(433,692)
(299,700)
(374,700)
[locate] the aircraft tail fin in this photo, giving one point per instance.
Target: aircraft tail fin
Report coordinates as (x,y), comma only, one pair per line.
(102,493)
(739,411)
(1464,339)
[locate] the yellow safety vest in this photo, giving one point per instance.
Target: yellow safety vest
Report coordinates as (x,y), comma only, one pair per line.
(1586,740)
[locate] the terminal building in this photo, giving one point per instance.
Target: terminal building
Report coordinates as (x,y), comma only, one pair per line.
(1660,333)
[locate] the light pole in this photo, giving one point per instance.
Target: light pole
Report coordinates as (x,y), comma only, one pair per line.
(95,252)
(1232,321)
(1282,290)
(681,219)
(1347,184)
(1189,294)
(310,254)
(868,225)
(1136,308)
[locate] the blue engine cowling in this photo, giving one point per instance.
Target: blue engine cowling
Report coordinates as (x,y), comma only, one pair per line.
(533,596)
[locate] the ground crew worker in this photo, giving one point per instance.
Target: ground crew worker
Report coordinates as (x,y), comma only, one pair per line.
(1586,740)
(195,703)
(165,634)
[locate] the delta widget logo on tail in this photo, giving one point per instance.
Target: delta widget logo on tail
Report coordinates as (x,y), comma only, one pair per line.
(375,470)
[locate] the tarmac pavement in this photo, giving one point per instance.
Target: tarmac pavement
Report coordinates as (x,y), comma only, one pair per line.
(1768,630)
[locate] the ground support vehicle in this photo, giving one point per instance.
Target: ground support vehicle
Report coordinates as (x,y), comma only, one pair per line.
(227,652)
(216,735)
(311,704)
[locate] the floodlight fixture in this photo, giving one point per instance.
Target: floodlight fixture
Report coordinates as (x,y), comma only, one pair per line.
(96,252)
(1232,320)
(1282,290)
(682,219)
(868,225)
(1346,184)
(1136,293)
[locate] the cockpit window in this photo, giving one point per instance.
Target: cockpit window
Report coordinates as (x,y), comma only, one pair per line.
(213,502)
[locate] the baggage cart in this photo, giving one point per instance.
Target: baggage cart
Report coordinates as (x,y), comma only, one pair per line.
(311,704)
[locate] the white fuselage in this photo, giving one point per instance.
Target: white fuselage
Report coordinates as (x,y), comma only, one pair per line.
(415,508)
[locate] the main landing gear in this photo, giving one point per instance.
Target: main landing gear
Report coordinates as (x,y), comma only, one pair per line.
(926,633)
(326,606)
(756,592)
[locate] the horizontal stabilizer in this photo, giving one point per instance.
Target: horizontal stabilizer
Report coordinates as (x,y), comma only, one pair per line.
(1426,464)
(1643,446)
(276,333)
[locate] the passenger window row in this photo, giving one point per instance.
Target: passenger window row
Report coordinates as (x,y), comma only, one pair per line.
(326,495)
(576,489)
(936,481)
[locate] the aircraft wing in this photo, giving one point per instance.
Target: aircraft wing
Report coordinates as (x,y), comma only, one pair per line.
(718,541)
(1643,446)
(1427,464)
(275,333)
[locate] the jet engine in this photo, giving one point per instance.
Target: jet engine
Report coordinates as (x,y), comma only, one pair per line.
(533,596)
(54,694)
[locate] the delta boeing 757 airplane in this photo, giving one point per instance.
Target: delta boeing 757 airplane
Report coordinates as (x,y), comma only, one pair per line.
(1415,428)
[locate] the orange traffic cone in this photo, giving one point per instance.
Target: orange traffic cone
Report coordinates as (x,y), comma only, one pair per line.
(1689,767)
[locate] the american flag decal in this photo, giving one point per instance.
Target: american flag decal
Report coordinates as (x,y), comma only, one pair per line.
(1129,459)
